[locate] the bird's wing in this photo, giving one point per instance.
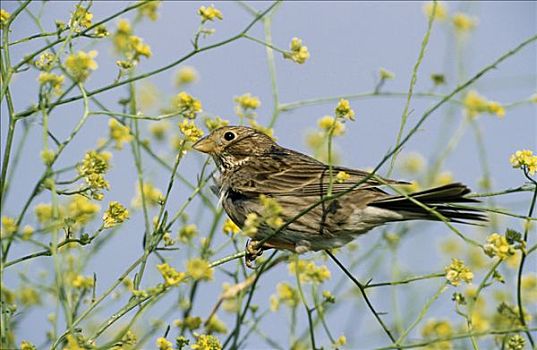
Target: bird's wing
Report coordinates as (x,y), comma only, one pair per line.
(285,172)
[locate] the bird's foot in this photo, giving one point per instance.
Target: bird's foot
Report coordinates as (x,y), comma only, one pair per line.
(253,251)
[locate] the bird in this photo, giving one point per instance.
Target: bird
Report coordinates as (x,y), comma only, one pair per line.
(318,212)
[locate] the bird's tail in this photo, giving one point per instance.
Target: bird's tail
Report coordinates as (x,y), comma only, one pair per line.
(439,199)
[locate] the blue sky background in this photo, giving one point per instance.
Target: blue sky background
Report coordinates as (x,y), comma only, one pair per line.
(348,42)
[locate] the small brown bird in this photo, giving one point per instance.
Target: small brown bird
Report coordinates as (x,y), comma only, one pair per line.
(251,164)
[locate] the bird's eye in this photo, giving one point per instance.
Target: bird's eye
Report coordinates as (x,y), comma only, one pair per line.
(228,136)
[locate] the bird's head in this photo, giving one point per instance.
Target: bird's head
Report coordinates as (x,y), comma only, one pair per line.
(232,145)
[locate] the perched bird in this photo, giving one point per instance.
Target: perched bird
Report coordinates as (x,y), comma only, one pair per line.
(252,165)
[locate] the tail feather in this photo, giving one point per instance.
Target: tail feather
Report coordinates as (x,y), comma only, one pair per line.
(439,199)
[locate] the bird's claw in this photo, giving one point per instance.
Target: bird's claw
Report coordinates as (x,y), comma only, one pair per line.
(253,251)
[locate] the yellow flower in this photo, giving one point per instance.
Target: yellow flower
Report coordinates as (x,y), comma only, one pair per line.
(80,64)
(164,344)
(43,212)
(328,123)
(529,287)
(215,325)
(476,104)
(206,342)
(247,101)
(497,245)
(342,176)
(342,340)
(186,75)
(27,232)
(434,329)
(385,74)
(149,9)
(53,81)
(215,123)
(441,11)
(298,52)
(159,129)
(46,61)
(413,163)
(47,156)
(168,240)
(115,214)
(92,168)
(271,211)
(26,345)
(187,232)
(251,224)
(119,133)
(121,36)
(188,106)
(4,17)
(443,178)
(516,342)
(524,159)
(101,31)
(190,322)
(139,48)
(190,131)
(209,13)
(152,195)
(199,269)
(170,275)
(29,296)
(309,272)
(344,110)
(9,226)
(81,18)
(463,22)
(82,282)
(230,228)
(287,294)
(457,272)
(82,210)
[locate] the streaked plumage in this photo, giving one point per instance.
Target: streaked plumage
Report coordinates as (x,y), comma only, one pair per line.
(252,164)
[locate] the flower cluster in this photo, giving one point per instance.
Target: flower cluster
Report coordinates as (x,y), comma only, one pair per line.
(476,104)
(272,211)
(186,75)
(188,106)
(309,272)
(246,105)
(164,344)
(26,345)
(206,342)
(190,131)
(170,275)
(45,62)
(434,329)
(209,13)
(149,9)
(159,129)
(152,195)
(497,245)
(230,228)
(80,19)
(4,18)
(524,159)
(286,294)
(344,110)
(463,23)
(82,282)
(9,226)
(93,167)
(199,269)
(81,210)
(457,272)
(215,123)
(187,232)
(329,123)
(440,14)
(80,64)
(115,214)
(132,47)
(118,132)
(51,81)
(297,52)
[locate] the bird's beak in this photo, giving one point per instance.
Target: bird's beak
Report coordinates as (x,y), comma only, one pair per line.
(205,145)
